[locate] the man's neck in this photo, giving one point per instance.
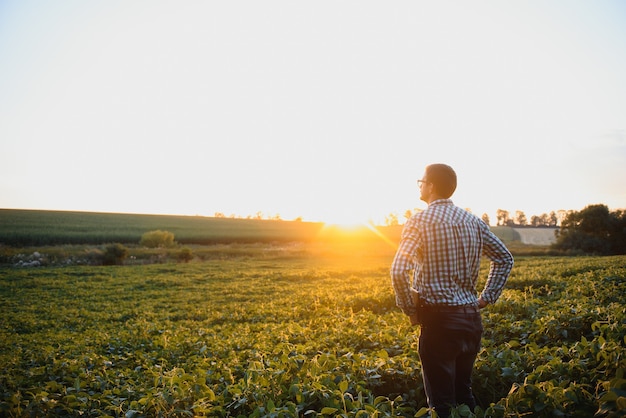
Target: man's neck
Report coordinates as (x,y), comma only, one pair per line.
(432,198)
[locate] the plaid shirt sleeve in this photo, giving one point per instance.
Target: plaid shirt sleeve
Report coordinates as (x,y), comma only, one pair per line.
(402,267)
(500,268)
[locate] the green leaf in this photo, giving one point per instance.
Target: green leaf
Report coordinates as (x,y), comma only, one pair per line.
(422,412)
(343,386)
(513,344)
(507,372)
(380,399)
(609,396)
(464,410)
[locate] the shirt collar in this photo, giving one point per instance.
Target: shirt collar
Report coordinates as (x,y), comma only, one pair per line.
(441,202)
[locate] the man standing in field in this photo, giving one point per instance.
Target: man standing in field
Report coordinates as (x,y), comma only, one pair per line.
(442,248)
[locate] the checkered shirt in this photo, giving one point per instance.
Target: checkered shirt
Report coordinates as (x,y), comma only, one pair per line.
(442,248)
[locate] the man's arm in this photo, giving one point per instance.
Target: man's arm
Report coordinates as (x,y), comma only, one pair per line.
(501,265)
(401,270)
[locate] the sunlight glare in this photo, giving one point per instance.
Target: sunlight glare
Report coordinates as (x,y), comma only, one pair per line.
(352,221)
(363,231)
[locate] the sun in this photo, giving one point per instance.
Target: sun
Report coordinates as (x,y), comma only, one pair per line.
(347,223)
(359,233)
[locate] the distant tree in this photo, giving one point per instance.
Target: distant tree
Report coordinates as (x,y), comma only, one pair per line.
(552,219)
(520,218)
(485,218)
(618,239)
(185,255)
(560,216)
(392,219)
(157,239)
(594,230)
(408,214)
(503,217)
(114,254)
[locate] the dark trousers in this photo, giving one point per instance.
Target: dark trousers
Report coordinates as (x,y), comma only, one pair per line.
(448,345)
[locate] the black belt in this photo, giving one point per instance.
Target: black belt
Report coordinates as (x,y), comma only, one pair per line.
(451,309)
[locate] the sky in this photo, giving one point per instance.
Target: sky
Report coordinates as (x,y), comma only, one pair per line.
(326,110)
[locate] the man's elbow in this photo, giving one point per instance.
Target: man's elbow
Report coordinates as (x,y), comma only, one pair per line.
(508,259)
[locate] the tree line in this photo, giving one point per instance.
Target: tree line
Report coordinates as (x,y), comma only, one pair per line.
(503,218)
(593,230)
(552,219)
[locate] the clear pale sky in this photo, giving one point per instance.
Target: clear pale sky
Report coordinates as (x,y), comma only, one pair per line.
(326,110)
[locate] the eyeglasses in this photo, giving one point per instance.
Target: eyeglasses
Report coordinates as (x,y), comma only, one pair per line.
(420,182)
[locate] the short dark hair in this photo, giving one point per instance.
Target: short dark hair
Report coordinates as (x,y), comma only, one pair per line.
(443,177)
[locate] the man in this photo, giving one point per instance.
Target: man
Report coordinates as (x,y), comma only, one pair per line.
(442,248)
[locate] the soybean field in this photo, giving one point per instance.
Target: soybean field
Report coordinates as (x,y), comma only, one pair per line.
(297,330)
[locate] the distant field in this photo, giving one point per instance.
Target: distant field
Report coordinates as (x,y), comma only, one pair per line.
(27,227)
(34,227)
